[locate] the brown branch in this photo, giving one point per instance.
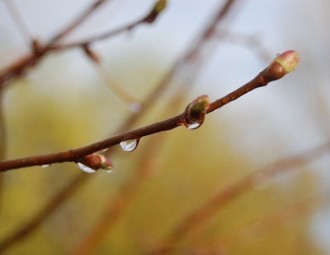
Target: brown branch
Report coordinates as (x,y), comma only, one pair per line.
(223,197)
(150,17)
(282,64)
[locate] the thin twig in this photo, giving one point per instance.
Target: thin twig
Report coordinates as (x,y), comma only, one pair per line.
(19,22)
(264,226)
(50,207)
(3,142)
(270,73)
(20,67)
(223,197)
(119,91)
(76,22)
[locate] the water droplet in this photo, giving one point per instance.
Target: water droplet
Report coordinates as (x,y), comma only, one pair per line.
(86,169)
(129,145)
(45,165)
(193,125)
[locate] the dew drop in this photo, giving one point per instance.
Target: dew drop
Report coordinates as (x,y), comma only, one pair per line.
(129,145)
(193,125)
(45,165)
(86,169)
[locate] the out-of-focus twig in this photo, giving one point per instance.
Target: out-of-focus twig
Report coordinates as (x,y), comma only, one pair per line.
(50,207)
(19,22)
(249,41)
(229,194)
(20,67)
(119,91)
(150,17)
(284,217)
(3,140)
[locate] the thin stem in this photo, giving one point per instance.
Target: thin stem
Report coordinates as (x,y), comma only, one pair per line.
(76,22)
(20,66)
(19,22)
(223,197)
(100,37)
(113,85)
(40,217)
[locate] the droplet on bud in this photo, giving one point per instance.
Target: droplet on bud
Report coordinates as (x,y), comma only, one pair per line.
(129,145)
(85,169)
(281,65)
(193,125)
(195,112)
(45,165)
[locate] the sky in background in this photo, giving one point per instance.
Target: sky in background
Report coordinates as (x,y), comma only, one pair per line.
(292,114)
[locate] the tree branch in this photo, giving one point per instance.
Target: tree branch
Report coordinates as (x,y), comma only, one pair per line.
(195,112)
(20,67)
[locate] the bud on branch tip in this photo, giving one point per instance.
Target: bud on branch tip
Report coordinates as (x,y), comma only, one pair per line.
(288,60)
(281,65)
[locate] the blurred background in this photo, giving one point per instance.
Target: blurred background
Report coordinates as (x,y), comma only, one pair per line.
(253,179)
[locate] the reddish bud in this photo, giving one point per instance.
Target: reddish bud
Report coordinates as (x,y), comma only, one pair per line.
(283,64)
(96,162)
(159,6)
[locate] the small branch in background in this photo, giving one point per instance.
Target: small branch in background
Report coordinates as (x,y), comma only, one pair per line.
(284,217)
(24,230)
(20,67)
(281,65)
(19,22)
(3,142)
(76,22)
(149,18)
(129,100)
(249,41)
(223,197)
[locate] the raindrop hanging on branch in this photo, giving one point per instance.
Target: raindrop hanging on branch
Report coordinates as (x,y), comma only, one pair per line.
(129,145)
(194,114)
